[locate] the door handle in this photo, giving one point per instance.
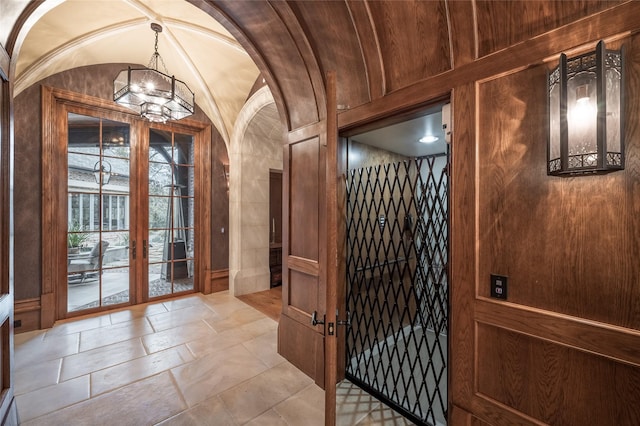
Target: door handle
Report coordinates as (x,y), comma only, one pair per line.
(315,320)
(144,249)
(133,249)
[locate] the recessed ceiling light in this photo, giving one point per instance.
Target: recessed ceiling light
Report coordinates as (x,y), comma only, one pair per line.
(428,139)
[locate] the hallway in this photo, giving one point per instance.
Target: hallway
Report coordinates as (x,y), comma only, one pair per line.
(196,360)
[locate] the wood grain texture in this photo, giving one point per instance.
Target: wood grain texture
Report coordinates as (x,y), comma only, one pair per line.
(370,47)
(269,302)
(566,245)
(523,20)
(555,384)
(278,56)
(414,40)
(325,24)
(611,23)
(462,246)
(304,192)
(462,25)
(302,348)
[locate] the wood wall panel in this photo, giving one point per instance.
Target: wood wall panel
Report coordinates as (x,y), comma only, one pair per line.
(424,25)
(304,196)
(542,380)
(522,20)
(568,245)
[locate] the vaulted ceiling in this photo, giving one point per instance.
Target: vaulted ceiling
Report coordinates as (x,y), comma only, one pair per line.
(193,45)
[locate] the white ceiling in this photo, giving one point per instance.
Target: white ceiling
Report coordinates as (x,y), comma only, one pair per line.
(194,47)
(403,138)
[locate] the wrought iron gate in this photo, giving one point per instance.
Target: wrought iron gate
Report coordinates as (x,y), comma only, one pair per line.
(397,289)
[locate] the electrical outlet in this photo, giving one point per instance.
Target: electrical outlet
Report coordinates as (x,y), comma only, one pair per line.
(499,286)
(17,323)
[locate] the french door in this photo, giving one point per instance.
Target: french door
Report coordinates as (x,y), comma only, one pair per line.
(134,199)
(99,189)
(168,240)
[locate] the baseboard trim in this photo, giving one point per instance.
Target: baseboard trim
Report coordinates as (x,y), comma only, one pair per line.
(27,314)
(218,281)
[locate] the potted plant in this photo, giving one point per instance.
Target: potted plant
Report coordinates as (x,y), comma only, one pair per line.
(76,238)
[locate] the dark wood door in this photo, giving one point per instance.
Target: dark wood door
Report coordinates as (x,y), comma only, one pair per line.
(8,411)
(308,335)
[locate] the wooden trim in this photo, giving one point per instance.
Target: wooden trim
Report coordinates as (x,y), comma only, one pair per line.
(218,281)
(330,231)
(616,343)
(612,23)
(55,104)
(306,266)
(27,305)
(307,132)
(28,313)
(364,26)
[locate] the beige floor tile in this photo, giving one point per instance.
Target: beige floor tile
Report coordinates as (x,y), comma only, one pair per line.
(269,418)
(146,402)
(218,342)
(215,373)
(183,302)
(257,395)
(77,325)
(208,413)
(180,317)
(34,335)
(235,319)
(260,327)
(353,404)
(265,347)
(38,375)
(111,334)
(137,311)
(304,408)
(120,375)
(96,359)
(37,350)
(177,336)
(46,400)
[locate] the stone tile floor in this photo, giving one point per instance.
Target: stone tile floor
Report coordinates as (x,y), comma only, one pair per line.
(195,360)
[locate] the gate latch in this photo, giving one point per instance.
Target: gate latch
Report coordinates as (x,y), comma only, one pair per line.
(347,322)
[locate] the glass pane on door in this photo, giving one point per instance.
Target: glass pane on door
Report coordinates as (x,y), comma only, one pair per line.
(171,218)
(98,189)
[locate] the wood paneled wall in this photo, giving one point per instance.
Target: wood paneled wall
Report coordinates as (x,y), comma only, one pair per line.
(570,247)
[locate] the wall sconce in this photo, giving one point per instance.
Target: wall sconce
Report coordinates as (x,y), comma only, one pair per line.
(585,114)
(225,173)
(102,173)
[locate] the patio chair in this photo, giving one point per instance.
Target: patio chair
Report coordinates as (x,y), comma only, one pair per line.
(83,266)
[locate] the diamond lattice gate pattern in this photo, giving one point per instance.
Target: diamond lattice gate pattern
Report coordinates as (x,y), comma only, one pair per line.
(397,290)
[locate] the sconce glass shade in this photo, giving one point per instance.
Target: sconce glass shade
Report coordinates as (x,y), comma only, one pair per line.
(585,114)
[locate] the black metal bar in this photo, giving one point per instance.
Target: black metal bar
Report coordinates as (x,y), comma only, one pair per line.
(397,342)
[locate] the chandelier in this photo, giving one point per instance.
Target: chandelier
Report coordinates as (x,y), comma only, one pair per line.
(155,95)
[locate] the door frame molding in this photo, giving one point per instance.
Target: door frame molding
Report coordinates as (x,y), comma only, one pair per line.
(54,102)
